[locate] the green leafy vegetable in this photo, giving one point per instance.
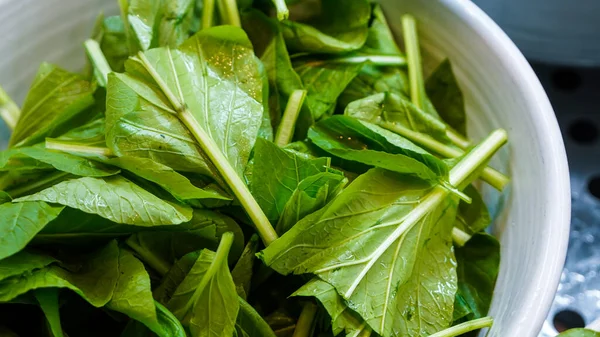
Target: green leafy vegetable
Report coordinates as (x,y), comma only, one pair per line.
(447,98)
(369,144)
(104,197)
(334,28)
(122,188)
(48,299)
(56,97)
(21,222)
(477,268)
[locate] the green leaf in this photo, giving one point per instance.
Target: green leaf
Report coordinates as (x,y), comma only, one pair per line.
(324,83)
(342,317)
(474,217)
(579,333)
(132,295)
(21,222)
(380,39)
(157,23)
(48,300)
(94,279)
(113,42)
(56,96)
(366,143)
(249,323)
(478,263)
(392,108)
(447,98)
(104,197)
(38,157)
(219,64)
(203,231)
(174,277)
(311,194)
(334,28)
(277,173)
(176,184)
(23,262)
(242,272)
(208,285)
(4,197)
(90,134)
(382,256)
(373,80)
(269,44)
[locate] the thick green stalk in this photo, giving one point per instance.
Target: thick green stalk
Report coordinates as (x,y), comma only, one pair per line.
(413,56)
(459,237)
(282,11)
(57,145)
(463,328)
(160,266)
(304,326)
(9,111)
(229,12)
(217,262)
(286,128)
(208,12)
(98,60)
(489,175)
(47,180)
(377,60)
(218,159)
(465,168)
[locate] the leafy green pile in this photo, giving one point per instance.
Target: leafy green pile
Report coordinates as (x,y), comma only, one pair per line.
(135,197)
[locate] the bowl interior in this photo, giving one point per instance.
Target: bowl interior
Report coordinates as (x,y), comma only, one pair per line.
(501,90)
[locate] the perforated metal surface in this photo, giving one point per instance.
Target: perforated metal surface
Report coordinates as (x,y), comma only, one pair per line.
(575,95)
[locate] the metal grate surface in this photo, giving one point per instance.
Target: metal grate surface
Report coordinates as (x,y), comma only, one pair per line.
(575,95)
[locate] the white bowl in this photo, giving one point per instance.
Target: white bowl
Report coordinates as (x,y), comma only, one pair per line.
(501,91)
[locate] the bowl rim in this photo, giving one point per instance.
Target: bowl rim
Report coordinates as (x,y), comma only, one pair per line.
(558,217)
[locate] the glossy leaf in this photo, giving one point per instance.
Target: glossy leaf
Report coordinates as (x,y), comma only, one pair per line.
(311,194)
(23,262)
(380,39)
(373,80)
(249,323)
(446,96)
(334,28)
(56,96)
(277,173)
(176,184)
(270,46)
(382,265)
(242,272)
(174,277)
(474,217)
(343,319)
(48,300)
(94,280)
(113,42)
(38,157)
(105,197)
(21,222)
(203,231)
(140,120)
(392,108)
(132,295)
(324,83)
(366,143)
(477,268)
(207,285)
